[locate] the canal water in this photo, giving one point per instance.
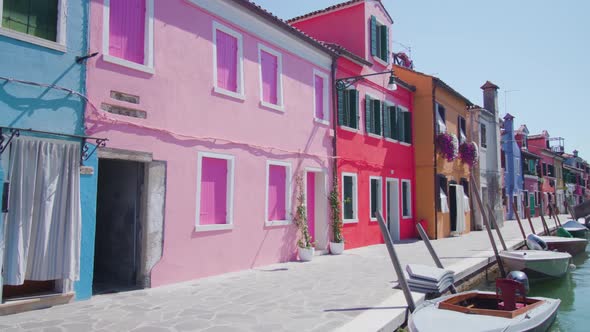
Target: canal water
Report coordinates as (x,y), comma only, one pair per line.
(574,292)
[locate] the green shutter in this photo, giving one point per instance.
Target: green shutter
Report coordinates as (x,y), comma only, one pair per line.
(408,127)
(394,121)
(36,18)
(377,117)
(340,97)
(387,121)
(369,115)
(354,108)
(373,35)
(384,43)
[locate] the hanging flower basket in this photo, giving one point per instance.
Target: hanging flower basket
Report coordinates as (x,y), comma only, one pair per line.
(448,146)
(468,153)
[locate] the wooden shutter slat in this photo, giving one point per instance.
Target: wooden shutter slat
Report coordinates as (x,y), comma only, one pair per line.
(408,127)
(386,121)
(368,114)
(354,105)
(377,117)
(384,43)
(340,97)
(373,35)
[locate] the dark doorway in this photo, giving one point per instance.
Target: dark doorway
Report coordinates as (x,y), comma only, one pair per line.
(453,207)
(117,243)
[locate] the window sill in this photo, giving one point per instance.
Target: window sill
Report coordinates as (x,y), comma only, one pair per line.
(405,144)
(391,140)
(128,64)
(276,223)
(380,61)
(228,93)
(323,122)
(33,40)
(407,217)
(212,228)
(352,130)
(350,221)
(279,108)
(374,136)
(372,220)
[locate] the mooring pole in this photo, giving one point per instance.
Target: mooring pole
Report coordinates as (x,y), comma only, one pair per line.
(495,223)
(518,218)
(544,222)
(545,227)
(556,215)
(521,228)
(401,277)
(433,254)
(475,192)
(569,209)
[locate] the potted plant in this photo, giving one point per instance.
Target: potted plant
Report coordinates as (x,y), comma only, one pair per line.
(337,243)
(468,153)
(304,244)
(448,146)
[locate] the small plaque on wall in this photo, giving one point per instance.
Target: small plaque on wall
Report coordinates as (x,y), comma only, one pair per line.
(86,170)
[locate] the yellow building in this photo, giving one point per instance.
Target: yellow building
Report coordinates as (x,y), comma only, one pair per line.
(440,184)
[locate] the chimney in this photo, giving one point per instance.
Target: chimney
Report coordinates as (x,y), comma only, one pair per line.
(490,97)
(576,153)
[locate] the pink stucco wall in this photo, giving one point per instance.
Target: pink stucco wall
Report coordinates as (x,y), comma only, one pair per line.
(179,99)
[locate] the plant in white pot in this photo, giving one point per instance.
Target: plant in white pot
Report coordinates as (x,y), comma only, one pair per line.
(304,244)
(337,243)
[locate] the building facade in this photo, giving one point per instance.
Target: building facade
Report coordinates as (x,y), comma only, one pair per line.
(374,134)
(512,165)
(42,83)
(218,115)
(550,169)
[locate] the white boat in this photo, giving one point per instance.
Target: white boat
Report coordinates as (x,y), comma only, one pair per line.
(479,311)
(537,263)
(575,228)
(572,246)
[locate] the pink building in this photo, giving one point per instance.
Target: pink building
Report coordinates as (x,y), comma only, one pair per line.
(212,108)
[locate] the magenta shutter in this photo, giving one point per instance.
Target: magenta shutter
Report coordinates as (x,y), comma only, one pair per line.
(269,65)
(227,61)
(213,191)
(319,97)
(127,29)
(277,192)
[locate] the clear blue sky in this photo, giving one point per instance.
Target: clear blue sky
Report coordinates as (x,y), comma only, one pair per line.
(539,47)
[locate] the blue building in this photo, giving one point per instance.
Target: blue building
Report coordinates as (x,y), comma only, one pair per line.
(49,197)
(513,180)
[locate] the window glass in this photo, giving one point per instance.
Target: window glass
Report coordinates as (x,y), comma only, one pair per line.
(33,17)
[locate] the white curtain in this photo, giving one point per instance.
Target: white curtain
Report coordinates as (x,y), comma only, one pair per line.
(444,203)
(43,223)
(442,127)
(459,196)
(465,201)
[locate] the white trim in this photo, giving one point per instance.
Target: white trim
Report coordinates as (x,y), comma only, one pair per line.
(352,130)
(229,192)
(380,202)
(409,182)
(61,30)
(148,53)
(326,97)
(280,106)
(379,61)
(405,144)
(265,30)
(393,140)
(239,94)
(270,223)
(387,198)
(355,195)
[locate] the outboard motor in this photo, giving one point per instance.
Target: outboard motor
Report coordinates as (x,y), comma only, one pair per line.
(534,242)
(520,277)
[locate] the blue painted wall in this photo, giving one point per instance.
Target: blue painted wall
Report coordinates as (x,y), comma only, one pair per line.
(46,109)
(513,180)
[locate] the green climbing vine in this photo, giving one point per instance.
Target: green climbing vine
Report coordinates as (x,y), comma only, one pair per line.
(300,219)
(335,213)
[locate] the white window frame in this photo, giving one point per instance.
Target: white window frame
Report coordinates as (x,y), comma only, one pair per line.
(409,182)
(355,196)
(437,116)
(375,57)
(148,52)
(485,125)
(240,74)
(229,193)
(280,105)
(380,202)
(406,110)
(61,35)
(288,213)
(387,103)
(326,97)
(360,121)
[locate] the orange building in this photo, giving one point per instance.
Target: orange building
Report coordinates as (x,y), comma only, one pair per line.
(442,186)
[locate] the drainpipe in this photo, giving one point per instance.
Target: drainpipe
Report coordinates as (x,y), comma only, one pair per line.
(436,185)
(334,116)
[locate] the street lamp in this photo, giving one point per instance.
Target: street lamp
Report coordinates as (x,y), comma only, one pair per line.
(344,83)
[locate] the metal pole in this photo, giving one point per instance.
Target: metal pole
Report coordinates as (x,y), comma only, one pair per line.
(475,193)
(396,263)
(493,219)
(432,252)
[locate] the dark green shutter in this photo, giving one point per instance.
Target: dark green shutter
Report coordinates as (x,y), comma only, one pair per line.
(340,97)
(377,117)
(354,108)
(36,18)
(387,121)
(373,35)
(347,197)
(384,43)
(394,121)
(368,114)
(408,127)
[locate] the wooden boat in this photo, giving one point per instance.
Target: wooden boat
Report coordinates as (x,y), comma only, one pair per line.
(575,228)
(478,311)
(572,246)
(537,263)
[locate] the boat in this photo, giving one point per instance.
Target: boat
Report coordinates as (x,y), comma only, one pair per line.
(572,246)
(537,263)
(483,312)
(575,228)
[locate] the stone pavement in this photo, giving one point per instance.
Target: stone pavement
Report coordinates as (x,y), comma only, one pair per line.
(351,292)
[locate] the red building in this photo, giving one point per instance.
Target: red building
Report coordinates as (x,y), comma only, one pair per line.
(375,164)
